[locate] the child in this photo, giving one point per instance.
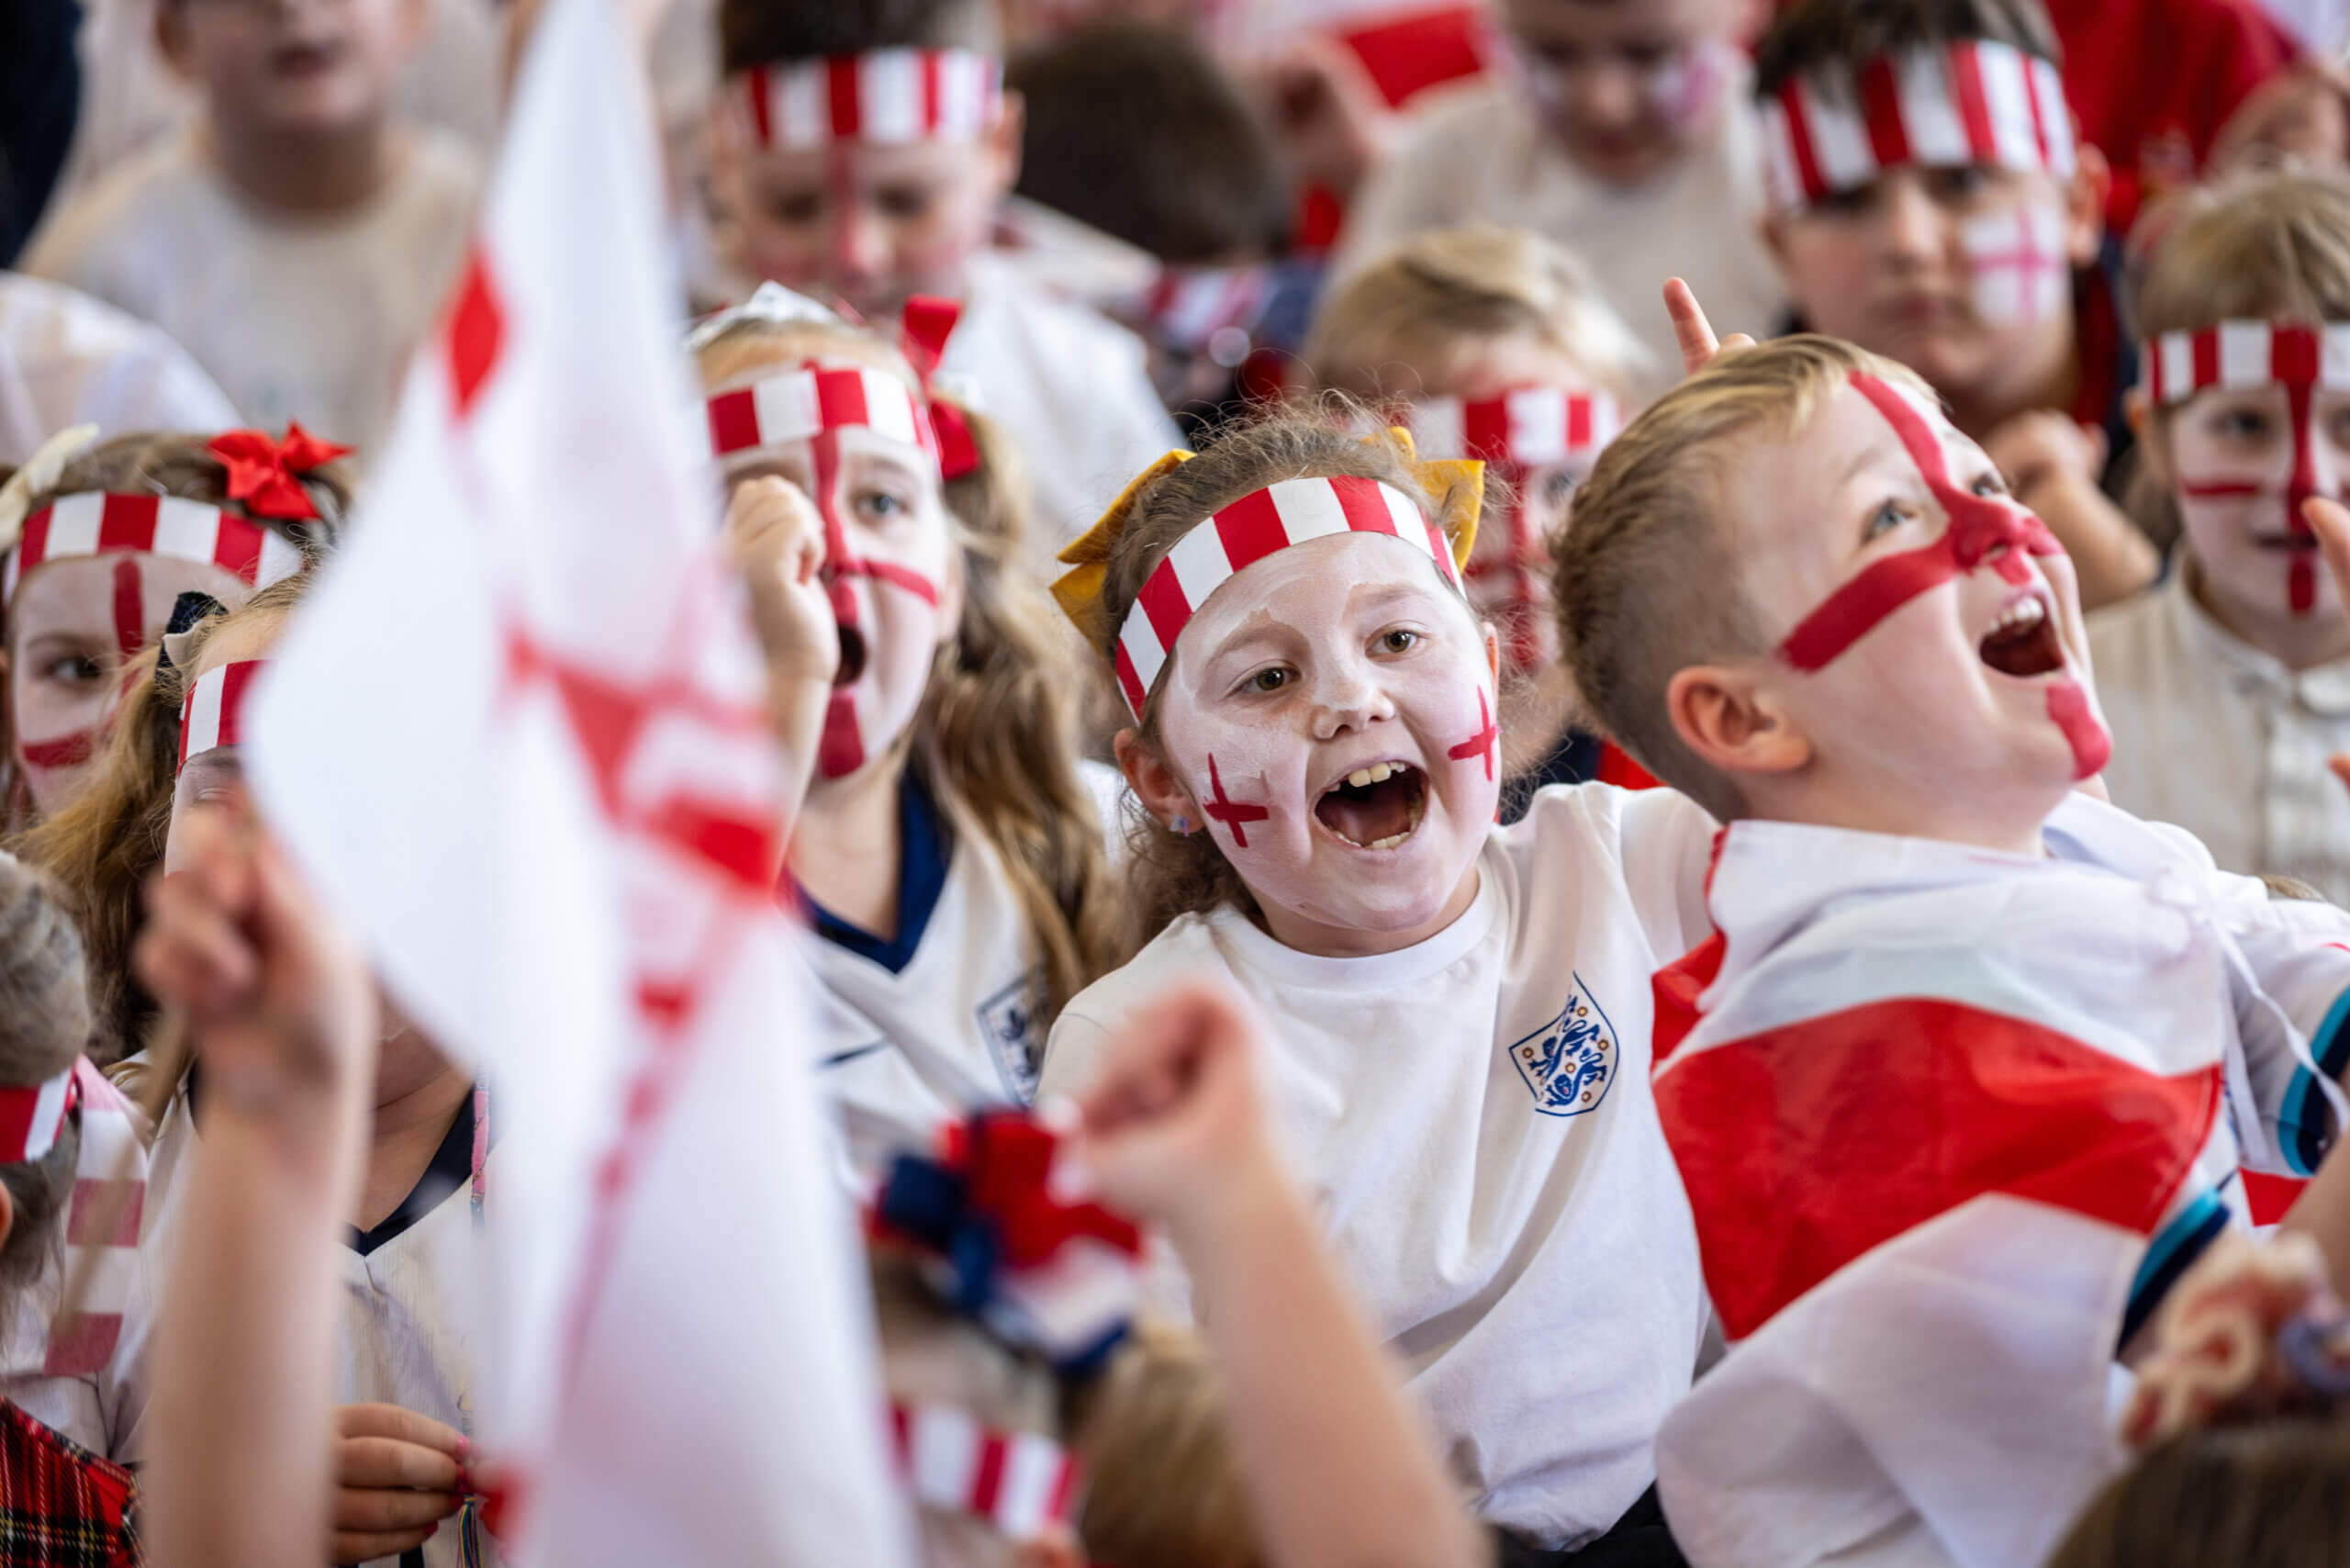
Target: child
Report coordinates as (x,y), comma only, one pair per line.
(950,848)
(2228,686)
(1315,1463)
(60,1503)
(1946,1085)
(298,239)
(1139,133)
(412,1246)
(1621,130)
(102,543)
(1928,204)
(841,172)
(1493,344)
(1461,1009)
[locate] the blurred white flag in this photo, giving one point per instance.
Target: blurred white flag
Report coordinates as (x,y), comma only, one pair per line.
(518,737)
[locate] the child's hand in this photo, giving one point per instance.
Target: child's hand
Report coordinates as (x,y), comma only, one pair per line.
(2215,1353)
(1694,333)
(280,999)
(1172,1130)
(398,1475)
(778,544)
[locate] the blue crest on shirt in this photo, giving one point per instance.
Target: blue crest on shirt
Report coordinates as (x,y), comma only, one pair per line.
(1570,1061)
(1008,1022)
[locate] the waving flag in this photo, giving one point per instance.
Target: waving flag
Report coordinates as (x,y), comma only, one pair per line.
(518,738)
(1951,1123)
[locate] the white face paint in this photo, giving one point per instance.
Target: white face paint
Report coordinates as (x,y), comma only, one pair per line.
(1345,657)
(2016,265)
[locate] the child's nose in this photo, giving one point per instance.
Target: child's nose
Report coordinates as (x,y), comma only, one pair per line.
(860,245)
(1346,699)
(1912,226)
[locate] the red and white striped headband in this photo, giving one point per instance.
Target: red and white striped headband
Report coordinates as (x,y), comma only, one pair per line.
(104,1194)
(100,524)
(1187,307)
(802,404)
(2245,353)
(1530,426)
(212,714)
(32,1115)
(1243,533)
(888,95)
(1018,1481)
(1971,102)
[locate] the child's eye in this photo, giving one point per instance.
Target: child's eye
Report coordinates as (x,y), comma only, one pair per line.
(902,201)
(1990,484)
(1959,182)
(1271,678)
(884,506)
(1888,518)
(796,206)
(2240,424)
(1850,202)
(73,669)
(1399,640)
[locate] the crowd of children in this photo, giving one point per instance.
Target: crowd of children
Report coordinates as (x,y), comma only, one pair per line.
(1560,941)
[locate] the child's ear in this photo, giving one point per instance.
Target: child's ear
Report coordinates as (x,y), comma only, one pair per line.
(2085,205)
(1773,226)
(950,596)
(171,36)
(7,1216)
(2139,410)
(1493,654)
(1054,1547)
(1729,718)
(1153,783)
(1003,144)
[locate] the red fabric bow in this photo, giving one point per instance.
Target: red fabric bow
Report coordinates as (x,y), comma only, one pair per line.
(261,471)
(922,331)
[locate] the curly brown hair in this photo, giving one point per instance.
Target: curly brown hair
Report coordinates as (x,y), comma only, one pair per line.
(44,1024)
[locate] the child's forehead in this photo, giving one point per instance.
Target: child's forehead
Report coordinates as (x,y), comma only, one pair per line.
(744,357)
(1794,479)
(1585,24)
(1311,582)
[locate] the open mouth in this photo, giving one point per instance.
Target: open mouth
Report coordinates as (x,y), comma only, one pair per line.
(2024,644)
(1376,807)
(304,59)
(851,662)
(2287,542)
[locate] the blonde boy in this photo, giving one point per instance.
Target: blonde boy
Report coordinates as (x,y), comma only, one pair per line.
(1964,1076)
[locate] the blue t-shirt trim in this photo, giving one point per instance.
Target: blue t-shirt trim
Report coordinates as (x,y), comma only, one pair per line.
(926,846)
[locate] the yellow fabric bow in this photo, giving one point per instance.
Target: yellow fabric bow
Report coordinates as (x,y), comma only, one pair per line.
(1079,589)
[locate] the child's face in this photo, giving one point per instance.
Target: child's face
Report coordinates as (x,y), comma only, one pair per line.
(74,625)
(214,780)
(1345,653)
(891,563)
(869,224)
(1960,273)
(1625,84)
(1508,572)
(291,66)
(1962,709)
(2238,466)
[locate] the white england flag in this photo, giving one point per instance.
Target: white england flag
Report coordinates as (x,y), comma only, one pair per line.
(518,736)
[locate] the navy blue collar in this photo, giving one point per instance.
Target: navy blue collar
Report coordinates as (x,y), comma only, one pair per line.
(925,848)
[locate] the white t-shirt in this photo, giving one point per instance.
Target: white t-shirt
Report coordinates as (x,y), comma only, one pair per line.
(1472,1116)
(2214,735)
(1070,385)
(1475,155)
(66,359)
(296,319)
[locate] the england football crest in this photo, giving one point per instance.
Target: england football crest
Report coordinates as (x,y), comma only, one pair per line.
(1570,1061)
(1009,1022)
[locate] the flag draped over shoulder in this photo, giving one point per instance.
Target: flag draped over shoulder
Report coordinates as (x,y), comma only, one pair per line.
(518,736)
(1950,1121)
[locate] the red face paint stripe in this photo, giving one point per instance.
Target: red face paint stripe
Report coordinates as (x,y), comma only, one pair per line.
(1853,611)
(2220,489)
(1250,530)
(69,750)
(1233,815)
(898,577)
(1974,108)
(129,609)
(841,749)
(823,454)
(2092,744)
(1482,742)
(1880,90)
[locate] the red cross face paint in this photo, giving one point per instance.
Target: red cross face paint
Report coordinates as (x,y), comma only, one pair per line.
(2259,423)
(1939,650)
(2020,273)
(72,625)
(891,569)
(1316,706)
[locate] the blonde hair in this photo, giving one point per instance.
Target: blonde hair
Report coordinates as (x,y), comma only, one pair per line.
(1001,727)
(2266,1495)
(108,840)
(1379,329)
(1648,581)
(1163,1486)
(2272,246)
(149,463)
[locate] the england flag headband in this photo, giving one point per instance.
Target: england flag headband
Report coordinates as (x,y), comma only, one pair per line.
(1255,526)
(2247,353)
(1530,426)
(1970,102)
(888,96)
(212,714)
(1018,1481)
(32,1117)
(103,524)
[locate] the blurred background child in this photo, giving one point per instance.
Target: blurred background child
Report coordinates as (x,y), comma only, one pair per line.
(836,175)
(1494,345)
(2228,686)
(298,238)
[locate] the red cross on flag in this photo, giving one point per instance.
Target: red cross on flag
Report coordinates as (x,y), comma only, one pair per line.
(518,737)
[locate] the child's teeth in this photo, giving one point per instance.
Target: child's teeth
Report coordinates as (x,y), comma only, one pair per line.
(1381,772)
(1390,842)
(1360,777)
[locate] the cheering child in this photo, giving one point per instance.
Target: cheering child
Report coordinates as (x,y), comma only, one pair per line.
(1460,1011)
(949,848)
(1490,344)
(2228,687)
